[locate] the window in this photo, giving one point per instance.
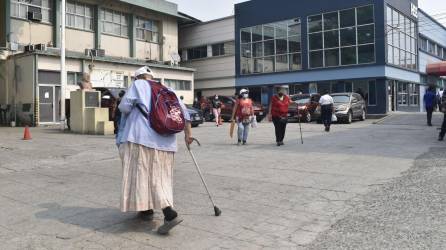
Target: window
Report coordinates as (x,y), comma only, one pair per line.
(423,44)
(114,23)
(20,9)
(178,85)
(273,47)
(79,16)
(218,49)
(401,40)
(197,53)
(147,30)
(74,78)
(408,94)
(344,37)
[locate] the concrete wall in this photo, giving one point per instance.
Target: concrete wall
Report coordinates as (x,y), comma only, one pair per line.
(170,37)
(115,46)
(431,29)
(213,67)
(215,83)
(207,33)
(24,82)
(25,32)
(78,40)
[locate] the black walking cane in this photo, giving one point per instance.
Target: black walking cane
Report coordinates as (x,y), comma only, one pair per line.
(300,125)
(217,211)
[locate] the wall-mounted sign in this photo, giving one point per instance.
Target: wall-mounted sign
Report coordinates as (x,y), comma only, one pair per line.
(107,78)
(414,10)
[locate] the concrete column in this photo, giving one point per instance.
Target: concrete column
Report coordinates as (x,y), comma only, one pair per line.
(97,27)
(56,23)
(132,35)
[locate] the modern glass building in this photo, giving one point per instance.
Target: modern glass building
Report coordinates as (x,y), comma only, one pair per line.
(364,46)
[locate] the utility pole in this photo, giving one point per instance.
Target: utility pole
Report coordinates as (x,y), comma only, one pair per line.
(63,71)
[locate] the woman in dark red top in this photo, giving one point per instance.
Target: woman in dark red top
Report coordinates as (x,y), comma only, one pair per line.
(278,113)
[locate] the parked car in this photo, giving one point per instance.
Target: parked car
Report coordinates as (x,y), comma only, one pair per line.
(348,107)
(303,107)
(196,116)
(228,103)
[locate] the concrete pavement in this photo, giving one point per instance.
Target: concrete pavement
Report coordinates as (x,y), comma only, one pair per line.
(61,191)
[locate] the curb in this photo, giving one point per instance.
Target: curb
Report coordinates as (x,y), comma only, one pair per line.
(382,119)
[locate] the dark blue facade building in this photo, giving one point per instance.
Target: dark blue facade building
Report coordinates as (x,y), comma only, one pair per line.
(364,46)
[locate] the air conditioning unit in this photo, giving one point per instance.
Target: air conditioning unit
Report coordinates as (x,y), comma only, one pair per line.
(40,47)
(35,16)
(30,48)
(95,52)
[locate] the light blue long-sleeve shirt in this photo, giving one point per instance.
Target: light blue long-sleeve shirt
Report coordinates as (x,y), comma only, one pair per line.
(135,128)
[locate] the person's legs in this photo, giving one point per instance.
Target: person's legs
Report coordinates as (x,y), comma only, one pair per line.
(240,132)
(282,132)
(216,115)
(429,115)
(245,133)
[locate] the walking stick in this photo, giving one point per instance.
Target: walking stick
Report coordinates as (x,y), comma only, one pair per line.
(217,211)
(300,128)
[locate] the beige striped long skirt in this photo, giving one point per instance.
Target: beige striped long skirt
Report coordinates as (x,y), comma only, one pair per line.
(146,178)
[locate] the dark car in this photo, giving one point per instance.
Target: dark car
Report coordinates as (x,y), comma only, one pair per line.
(303,107)
(196,116)
(228,103)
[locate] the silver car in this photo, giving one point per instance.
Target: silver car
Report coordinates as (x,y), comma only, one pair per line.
(349,106)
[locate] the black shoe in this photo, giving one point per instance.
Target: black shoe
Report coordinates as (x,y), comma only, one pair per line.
(146,215)
(429,124)
(168,225)
(281,143)
(440,138)
(278,144)
(244,142)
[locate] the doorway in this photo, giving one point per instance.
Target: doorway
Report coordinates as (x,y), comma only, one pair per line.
(49,103)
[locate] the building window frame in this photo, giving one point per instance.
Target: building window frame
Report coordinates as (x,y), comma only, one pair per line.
(340,48)
(399,39)
(147,30)
(19,6)
(255,59)
(109,26)
(73,17)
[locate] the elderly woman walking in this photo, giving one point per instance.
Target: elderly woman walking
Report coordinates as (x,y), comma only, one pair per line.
(147,157)
(278,113)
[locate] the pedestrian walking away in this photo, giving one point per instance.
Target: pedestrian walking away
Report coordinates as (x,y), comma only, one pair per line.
(216,109)
(117,114)
(430,101)
(326,102)
(278,113)
(148,156)
(242,113)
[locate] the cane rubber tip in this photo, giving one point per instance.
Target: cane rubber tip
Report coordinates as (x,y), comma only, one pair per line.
(217,211)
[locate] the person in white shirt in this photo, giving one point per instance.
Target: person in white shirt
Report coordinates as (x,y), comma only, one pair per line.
(326,103)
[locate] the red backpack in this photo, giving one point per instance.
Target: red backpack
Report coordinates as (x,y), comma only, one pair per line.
(166,116)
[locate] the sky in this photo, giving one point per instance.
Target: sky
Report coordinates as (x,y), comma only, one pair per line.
(212,9)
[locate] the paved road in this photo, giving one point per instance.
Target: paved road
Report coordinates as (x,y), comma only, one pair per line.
(61,191)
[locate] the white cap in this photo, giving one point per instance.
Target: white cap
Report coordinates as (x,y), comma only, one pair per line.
(144,71)
(244,91)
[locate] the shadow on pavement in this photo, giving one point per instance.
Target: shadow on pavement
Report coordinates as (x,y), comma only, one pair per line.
(105,220)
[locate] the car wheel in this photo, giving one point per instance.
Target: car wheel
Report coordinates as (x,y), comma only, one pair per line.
(363,115)
(349,119)
(308,118)
(194,125)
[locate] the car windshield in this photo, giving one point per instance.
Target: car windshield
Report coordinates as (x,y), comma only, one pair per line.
(303,101)
(341,99)
(299,97)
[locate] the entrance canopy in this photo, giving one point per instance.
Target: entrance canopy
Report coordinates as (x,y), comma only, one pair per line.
(437,69)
